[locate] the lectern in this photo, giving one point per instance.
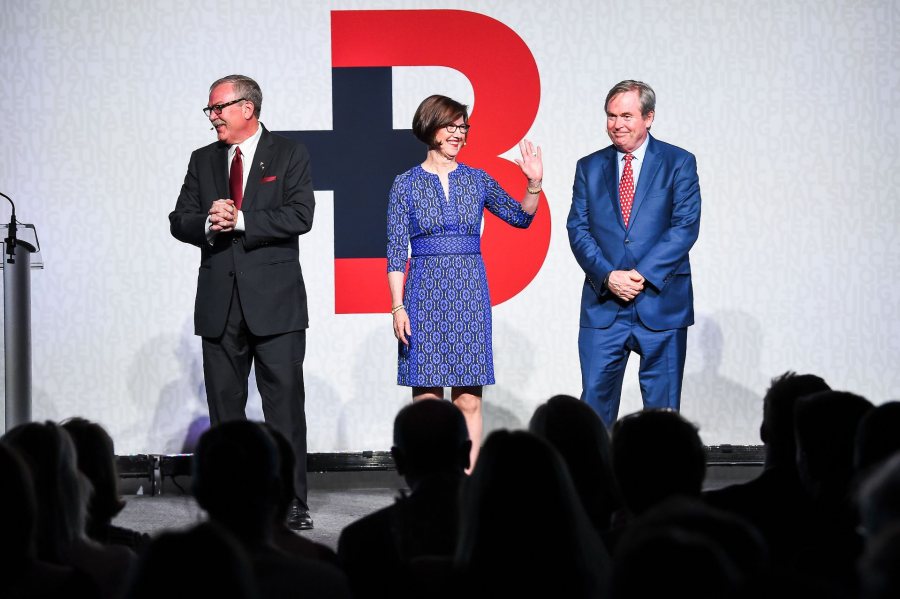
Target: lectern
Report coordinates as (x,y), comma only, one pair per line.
(21,254)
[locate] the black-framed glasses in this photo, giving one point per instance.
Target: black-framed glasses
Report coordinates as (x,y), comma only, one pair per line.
(452,127)
(218,108)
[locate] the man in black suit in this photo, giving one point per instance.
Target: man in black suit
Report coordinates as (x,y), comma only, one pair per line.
(245,200)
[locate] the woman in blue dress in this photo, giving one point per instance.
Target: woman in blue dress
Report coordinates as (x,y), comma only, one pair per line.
(442,316)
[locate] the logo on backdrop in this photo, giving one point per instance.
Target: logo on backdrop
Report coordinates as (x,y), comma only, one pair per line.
(359,158)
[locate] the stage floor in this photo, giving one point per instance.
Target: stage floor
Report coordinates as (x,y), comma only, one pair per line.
(336,499)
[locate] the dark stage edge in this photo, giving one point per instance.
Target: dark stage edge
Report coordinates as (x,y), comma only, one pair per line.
(154,468)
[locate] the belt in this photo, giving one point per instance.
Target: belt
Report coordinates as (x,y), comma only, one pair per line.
(446,245)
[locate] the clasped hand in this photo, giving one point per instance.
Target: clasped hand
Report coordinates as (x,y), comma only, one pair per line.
(223,216)
(625,284)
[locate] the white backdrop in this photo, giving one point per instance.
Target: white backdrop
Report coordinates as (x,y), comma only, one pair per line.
(788,107)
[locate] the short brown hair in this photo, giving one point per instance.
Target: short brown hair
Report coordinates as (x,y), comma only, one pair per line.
(435,112)
(645,93)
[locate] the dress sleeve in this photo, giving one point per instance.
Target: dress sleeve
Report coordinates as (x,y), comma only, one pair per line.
(397,227)
(500,204)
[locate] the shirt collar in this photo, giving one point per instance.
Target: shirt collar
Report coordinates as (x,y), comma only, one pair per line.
(638,153)
(248,146)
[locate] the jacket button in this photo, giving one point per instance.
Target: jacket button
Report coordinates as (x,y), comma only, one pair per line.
(234,240)
(230,273)
(627,241)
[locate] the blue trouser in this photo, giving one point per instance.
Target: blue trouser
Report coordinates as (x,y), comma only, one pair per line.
(604,354)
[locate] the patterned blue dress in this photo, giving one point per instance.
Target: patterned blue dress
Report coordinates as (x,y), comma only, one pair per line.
(446,293)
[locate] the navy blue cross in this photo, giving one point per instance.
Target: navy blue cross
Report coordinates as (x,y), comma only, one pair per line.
(359,158)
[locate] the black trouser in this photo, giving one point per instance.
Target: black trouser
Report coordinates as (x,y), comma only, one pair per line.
(279,377)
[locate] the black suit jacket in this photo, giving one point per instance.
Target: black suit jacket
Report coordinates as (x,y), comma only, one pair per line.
(263,261)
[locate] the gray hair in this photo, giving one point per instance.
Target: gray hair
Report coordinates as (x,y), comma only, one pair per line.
(646,93)
(244,87)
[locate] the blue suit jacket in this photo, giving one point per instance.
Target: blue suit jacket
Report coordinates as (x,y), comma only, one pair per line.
(664,223)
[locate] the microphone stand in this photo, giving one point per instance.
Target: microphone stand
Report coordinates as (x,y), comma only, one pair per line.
(11,238)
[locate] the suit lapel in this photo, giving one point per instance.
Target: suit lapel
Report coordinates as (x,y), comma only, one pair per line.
(648,172)
(611,177)
(220,171)
(261,161)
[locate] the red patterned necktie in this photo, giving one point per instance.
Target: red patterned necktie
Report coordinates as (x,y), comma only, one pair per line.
(236,179)
(626,189)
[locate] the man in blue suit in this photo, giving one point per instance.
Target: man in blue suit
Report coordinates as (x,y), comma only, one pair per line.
(635,215)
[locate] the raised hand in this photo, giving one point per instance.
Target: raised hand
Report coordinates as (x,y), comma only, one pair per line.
(532,164)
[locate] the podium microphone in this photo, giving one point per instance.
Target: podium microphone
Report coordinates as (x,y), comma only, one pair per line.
(11,239)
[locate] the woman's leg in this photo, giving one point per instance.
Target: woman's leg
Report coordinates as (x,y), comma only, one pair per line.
(468,400)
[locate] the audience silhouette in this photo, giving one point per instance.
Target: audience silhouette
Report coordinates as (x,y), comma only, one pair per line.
(685,563)
(821,519)
(204,561)
(878,571)
(656,454)
(22,574)
(97,461)
(575,430)
(775,501)
(878,498)
(878,437)
(501,553)
(431,451)
(61,494)
(879,511)
(743,561)
(237,480)
(825,424)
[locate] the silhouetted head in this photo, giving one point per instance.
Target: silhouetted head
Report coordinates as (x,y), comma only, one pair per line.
(430,437)
(742,543)
(878,572)
(578,434)
(777,429)
(826,425)
(61,490)
(97,461)
(656,454)
(878,497)
(523,524)
(237,478)
(205,561)
(672,561)
(17,510)
(878,436)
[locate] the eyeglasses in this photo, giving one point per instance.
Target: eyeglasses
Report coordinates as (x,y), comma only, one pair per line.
(451,128)
(218,108)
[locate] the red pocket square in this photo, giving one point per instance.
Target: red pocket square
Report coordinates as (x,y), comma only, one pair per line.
(269,179)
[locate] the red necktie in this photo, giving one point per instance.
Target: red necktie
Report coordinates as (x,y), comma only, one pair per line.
(236,179)
(626,189)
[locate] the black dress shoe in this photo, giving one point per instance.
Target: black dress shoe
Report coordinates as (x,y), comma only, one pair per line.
(298,517)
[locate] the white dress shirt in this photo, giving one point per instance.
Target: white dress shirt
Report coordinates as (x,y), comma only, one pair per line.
(248,151)
(635,163)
